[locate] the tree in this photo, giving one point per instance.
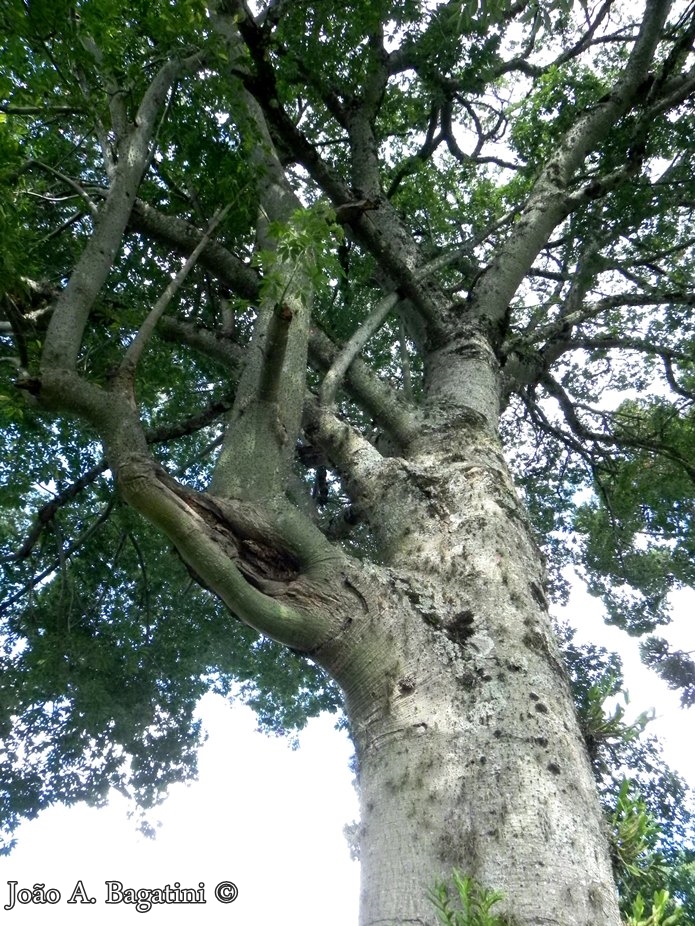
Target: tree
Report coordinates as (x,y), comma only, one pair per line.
(317,320)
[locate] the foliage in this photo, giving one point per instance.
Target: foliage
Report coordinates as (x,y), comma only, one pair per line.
(634,844)
(662,912)
(507,174)
(473,901)
(650,813)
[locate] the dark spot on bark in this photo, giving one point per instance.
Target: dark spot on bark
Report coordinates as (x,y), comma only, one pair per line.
(538,594)
(469,351)
(595,897)
(267,562)
(483,760)
(532,640)
(460,627)
(554,768)
(541,708)
(30,383)
(533,696)
(541,741)
(432,619)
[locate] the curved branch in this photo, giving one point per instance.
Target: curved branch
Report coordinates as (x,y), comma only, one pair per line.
(658,448)
(427,149)
(295,614)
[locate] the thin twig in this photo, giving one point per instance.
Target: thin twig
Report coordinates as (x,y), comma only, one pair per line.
(61,558)
(196,422)
(73,184)
(405,363)
(352,348)
(126,373)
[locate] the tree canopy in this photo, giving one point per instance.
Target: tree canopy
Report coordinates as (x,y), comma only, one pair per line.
(513,181)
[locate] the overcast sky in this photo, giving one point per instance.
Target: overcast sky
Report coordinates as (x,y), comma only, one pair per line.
(265,817)
(262,816)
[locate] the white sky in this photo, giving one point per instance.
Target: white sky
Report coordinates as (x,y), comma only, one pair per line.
(263,816)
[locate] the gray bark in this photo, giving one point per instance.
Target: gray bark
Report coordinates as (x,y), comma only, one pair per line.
(468,747)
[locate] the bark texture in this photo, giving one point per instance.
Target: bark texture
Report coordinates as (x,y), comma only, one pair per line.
(468,747)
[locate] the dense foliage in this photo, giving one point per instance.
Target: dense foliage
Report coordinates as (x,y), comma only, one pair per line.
(453,119)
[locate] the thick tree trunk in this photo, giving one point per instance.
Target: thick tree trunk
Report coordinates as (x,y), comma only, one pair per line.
(469,751)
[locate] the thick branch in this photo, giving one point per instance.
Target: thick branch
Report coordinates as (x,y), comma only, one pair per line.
(374,395)
(212,344)
(548,203)
(358,461)
(378,227)
(206,541)
(183,236)
(73,306)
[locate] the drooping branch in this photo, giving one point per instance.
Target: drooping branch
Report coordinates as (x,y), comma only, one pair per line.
(64,554)
(608,439)
(548,334)
(47,512)
(426,150)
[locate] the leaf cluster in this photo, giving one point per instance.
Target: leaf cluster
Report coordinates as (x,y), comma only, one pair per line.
(471,905)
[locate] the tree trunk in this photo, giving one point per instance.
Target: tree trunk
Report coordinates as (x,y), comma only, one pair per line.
(468,748)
